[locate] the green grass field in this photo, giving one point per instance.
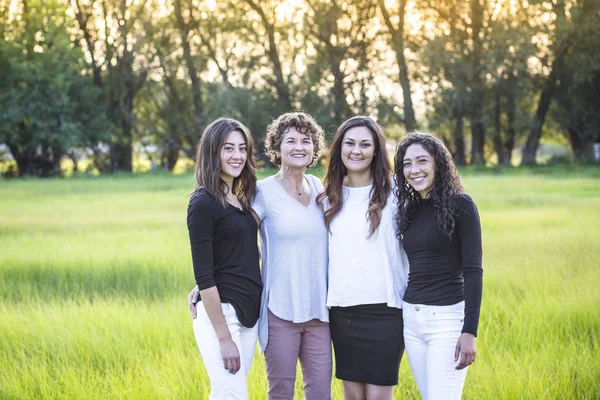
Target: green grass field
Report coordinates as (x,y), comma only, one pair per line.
(94,275)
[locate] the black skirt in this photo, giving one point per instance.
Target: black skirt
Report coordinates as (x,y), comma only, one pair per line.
(368,342)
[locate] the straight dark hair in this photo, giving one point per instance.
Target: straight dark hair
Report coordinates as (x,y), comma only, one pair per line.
(208,163)
(381,170)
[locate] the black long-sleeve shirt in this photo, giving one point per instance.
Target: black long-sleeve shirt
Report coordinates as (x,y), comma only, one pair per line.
(225,254)
(442,271)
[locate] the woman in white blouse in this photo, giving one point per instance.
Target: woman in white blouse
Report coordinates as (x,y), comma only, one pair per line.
(293,322)
(367,269)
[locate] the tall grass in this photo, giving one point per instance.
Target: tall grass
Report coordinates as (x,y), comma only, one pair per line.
(94,275)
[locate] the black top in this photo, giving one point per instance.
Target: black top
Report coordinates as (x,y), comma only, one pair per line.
(443,271)
(225,254)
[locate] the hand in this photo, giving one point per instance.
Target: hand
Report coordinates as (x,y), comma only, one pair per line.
(465,350)
(230,355)
(193,298)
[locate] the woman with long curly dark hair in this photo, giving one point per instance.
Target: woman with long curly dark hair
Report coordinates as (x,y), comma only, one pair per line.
(367,269)
(441,234)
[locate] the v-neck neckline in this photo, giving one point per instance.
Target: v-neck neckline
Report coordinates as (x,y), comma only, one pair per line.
(292,197)
(236,208)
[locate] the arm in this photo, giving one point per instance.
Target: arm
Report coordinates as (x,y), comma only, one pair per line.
(229,351)
(258,210)
(202,220)
(469,231)
(193,298)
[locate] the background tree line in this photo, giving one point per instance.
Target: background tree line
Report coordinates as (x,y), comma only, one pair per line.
(100,78)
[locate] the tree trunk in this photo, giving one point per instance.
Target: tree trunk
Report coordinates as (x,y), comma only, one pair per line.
(364,99)
(511,112)
(339,106)
(476,117)
(533,139)
(82,21)
(478,137)
(583,149)
(121,149)
(189,62)
(74,159)
(498,128)
(20,158)
(42,161)
(169,158)
(398,45)
(48,161)
(283,91)
(459,139)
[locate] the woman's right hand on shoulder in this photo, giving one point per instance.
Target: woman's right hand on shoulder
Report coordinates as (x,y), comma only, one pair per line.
(230,355)
(193,299)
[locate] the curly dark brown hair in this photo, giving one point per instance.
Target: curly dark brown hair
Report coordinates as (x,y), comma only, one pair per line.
(303,123)
(446,184)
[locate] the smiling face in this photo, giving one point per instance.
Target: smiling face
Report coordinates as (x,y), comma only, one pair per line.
(418,167)
(296,149)
(233,156)
(358,149)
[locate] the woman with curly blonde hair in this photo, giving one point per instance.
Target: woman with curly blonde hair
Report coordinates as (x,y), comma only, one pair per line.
(294,320)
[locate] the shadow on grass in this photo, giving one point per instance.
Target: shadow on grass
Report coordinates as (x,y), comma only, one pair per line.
(34,283)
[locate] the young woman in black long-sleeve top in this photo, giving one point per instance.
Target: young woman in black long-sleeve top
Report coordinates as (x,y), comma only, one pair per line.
(223,240)
(441,234)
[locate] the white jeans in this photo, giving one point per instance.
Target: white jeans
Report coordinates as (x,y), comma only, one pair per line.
(225,385)
(430,336)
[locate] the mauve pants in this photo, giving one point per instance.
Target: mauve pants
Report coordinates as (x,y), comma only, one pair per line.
(309,342)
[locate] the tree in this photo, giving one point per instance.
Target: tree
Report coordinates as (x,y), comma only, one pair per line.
(48,106)
(570,19)
(340,34)
(271,48)
(112,32)
(445,72)
(577,101)
(511,83)
(185,28)
(397,41)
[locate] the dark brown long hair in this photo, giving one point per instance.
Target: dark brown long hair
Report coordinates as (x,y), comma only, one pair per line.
(208,163)
(446,184)
(336,171)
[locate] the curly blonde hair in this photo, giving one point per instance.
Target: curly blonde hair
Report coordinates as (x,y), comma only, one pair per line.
(303,123)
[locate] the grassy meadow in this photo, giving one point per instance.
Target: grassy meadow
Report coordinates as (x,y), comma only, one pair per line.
(94,274)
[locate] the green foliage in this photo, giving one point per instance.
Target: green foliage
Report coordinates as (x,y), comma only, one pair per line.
(578,103)
(108,77)
(48,106)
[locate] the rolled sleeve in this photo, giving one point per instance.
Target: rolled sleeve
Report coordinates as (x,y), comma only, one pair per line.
(259,205)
